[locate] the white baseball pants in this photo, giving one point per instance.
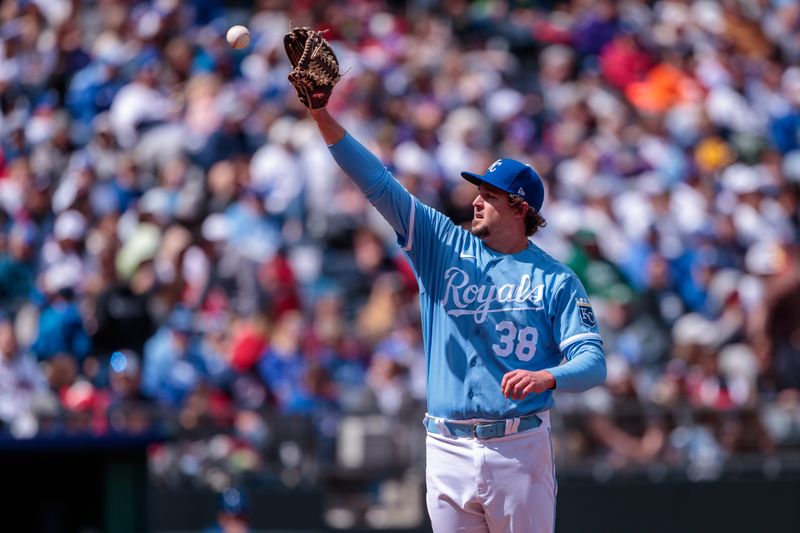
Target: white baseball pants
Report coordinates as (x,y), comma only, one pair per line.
(502,485)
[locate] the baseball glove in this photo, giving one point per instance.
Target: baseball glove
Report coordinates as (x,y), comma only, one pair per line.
(315,69)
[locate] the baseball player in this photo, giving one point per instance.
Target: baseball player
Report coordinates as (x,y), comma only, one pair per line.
(498,315)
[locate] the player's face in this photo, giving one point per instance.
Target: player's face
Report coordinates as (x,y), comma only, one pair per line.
(490,211)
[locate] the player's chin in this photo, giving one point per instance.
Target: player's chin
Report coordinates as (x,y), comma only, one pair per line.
(479,228)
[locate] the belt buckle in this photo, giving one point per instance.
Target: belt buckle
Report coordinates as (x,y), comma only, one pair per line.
(482,425)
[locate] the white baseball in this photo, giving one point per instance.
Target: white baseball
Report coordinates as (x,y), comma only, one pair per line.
(238,36)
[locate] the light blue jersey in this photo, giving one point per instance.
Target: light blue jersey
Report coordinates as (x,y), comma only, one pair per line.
(484,313)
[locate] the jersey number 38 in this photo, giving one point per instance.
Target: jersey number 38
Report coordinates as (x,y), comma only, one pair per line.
(521,342)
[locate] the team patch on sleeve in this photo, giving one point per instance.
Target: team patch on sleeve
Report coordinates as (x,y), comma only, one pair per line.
(587,314)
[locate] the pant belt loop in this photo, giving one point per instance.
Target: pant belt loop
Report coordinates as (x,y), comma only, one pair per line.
(443,429)
(512,426)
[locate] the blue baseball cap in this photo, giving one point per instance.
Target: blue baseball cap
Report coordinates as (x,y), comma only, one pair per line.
(513,177)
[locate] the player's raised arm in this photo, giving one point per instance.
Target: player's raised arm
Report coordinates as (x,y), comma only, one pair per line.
(332,132)
(315,72)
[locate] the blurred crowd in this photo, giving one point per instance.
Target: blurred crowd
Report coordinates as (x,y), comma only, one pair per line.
(179,253)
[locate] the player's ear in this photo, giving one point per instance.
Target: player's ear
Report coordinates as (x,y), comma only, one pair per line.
(522,210)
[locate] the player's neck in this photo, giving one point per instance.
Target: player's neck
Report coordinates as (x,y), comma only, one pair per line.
(506,244)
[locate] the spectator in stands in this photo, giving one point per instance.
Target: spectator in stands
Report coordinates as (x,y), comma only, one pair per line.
(775,327)
(173,364)
(17,267)
(283,365)
(21,382)
(627,428)
(129,410)
(61,329)
(123,319)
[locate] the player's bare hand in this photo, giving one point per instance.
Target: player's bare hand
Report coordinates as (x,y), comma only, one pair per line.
(517,384)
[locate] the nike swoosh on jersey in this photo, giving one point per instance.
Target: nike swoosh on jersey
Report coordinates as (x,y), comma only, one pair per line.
(462,255)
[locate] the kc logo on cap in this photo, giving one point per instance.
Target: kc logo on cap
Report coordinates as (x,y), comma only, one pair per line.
(513,177)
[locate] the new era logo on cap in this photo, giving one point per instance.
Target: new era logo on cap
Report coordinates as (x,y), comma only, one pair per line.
(513,177)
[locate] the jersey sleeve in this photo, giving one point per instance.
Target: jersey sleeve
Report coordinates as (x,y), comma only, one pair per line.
(585,367)
(418,226)
(390,198)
